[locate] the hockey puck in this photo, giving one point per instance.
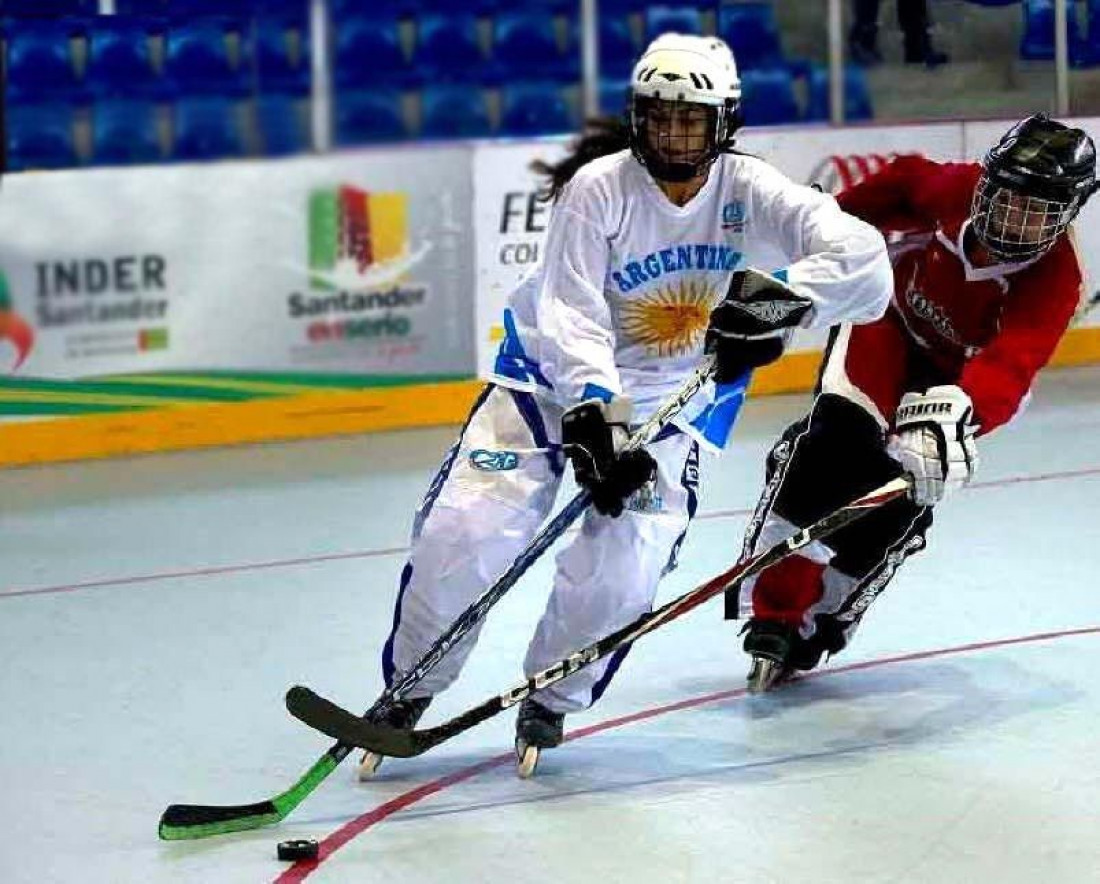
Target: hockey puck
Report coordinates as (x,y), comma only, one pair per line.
(292,851)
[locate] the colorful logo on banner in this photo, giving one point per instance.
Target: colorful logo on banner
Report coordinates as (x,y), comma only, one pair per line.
(359,262)
(13,328)
(837,173)
(103,306)
(152,339)
(352,232)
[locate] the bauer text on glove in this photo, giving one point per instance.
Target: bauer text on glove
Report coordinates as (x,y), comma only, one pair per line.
(935,441)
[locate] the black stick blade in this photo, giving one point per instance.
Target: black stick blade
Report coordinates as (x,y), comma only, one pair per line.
(181,822)
(328,718)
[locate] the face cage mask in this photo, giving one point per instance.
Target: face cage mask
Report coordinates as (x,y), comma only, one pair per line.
(1014,226)
(669,152)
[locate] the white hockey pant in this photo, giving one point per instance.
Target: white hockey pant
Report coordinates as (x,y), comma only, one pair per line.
(476,519)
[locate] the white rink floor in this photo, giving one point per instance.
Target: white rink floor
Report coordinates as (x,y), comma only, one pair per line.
(154,611)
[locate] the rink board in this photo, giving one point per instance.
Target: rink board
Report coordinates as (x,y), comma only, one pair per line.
(275,323)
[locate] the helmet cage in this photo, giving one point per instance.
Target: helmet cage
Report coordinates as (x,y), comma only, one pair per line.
(1016,226)
(678,157)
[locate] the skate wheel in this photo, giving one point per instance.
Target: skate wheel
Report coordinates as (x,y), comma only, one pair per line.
(368,765)
(527,759)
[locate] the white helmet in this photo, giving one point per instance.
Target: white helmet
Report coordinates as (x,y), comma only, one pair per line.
(686,69)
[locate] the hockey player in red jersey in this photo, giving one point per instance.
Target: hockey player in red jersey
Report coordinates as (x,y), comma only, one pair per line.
(987,279)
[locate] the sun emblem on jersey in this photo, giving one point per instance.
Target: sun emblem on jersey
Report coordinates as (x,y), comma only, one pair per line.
(670,321)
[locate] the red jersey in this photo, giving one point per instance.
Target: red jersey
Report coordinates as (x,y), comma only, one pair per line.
(987,329)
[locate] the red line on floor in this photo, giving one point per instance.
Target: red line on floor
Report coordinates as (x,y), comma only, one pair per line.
(396,550)
(301,870)
(203,572)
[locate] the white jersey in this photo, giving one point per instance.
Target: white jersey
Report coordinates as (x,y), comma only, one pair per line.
(620,301)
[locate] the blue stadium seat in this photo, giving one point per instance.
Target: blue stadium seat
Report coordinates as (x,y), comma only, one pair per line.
(369,116)
(857,96)
(287,10)
(40,136)
(555,6)
(44,8)
(277,68)
(233,15)
(525,47)
(534,109)
(447,48)
(679,19)
(124,132)
(346,10)
(191,9)
(120,60)
(617,50)
(197,59)
(622,7)
(185,9)
(752,33)
(767,97)
(40,62)
(454,112)
(613,96)
(206,128)
(1085,51)
(143,7)
(281,128)
(1037,41)
(368,53)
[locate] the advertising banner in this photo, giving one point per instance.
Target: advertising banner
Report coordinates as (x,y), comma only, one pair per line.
(510,221)
(356,291)
(124,289)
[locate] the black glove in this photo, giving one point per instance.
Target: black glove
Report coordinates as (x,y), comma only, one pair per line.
(750,326)
(735,356)
(608,476)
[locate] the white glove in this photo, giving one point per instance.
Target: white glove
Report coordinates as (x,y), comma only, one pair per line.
(935,441)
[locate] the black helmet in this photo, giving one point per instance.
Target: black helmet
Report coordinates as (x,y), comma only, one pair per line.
(1034,182)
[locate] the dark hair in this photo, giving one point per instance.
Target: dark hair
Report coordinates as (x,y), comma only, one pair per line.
(601,137)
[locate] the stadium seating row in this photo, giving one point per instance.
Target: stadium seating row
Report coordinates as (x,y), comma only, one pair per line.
(119,59)
(40,8)
(1037,40)
(128,130)
(167,80)
(270,52)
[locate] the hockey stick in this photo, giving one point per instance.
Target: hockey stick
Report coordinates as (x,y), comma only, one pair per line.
(327,717)
(185,821)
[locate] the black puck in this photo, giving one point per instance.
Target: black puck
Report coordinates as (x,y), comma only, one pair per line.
(304,848)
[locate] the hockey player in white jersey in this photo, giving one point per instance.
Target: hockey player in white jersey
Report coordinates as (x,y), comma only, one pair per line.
(653,224)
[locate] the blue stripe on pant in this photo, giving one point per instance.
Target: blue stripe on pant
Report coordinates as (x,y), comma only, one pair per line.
(436,486)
